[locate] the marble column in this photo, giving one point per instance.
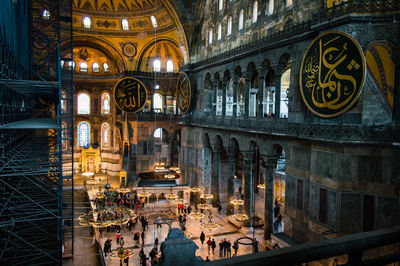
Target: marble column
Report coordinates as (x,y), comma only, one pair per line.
(235,94)
(231,180)
(248,76)
(269,165)
(248,183)
(224,83)
(215,168)
(165,104)
(278,75)
(214,97)
(260,94)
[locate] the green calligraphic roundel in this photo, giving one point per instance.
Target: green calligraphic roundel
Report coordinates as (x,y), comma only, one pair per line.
(130,95)
(184,92)
(332,74)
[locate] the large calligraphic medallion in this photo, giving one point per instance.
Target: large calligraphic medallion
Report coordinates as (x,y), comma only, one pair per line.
(184,92)
(332,74)
(130,95)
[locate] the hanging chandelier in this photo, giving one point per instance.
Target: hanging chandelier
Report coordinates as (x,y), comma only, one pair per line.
(210,226)
(87,174)
(91,218)
(123,190)
(174,169)
(179,201)
(171,196)
(204,206)
(143,194)
(261,186)
(169,176)
(206,196)
(159,166)
(240,217)
(237,202)
(196,215)
(195,189)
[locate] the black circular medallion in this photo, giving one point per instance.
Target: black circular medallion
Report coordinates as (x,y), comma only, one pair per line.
(332,74)
(184,92)
(130,95)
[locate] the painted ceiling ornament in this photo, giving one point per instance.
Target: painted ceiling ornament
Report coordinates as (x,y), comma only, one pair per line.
(130,95)
(129,49)
(332,74)
(184,92)
(83,54)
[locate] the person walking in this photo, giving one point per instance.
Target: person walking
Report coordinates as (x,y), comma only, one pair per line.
(143,238)
(225,245)
(118,236)
(209,245)
(255,245)
(236,247)
(106,248)
(228,249)
(202,237)
(136,238)
(221,248)
(213,245)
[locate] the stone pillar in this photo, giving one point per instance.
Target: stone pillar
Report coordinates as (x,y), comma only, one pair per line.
(224,83)
(214,97)
(215,168)
(151,104)
(165,104)
(248,183)
(260,94)
(248,76)
(278,75)
(269,165)
(235,94)
(231,179)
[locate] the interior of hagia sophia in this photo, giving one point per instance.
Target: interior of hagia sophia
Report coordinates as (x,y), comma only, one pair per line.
(170,128)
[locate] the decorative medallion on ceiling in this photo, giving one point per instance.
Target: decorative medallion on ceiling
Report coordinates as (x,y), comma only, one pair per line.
(332,74)
(129,49)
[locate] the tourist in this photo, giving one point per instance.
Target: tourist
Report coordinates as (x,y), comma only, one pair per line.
(156,242)
(207,259)
(255,245)
(213,245)
(209,245)
(159,220)
(143,238)
(236,247)
(189,209)
(106,247)
(225,246)
(228,249)
(122,242)
(126,260)
(118,236)
(202,237)
(221,248)
(136,238)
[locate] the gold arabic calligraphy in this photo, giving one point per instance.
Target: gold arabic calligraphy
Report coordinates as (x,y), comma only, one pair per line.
(331,74)
(130,95)
(183,92)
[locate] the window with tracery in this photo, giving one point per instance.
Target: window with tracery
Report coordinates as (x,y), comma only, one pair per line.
(83,104)
(220,5)
(84,134)
(95,67)
(105,136)
(154,21)
(219,35)
(157,103)
(105,104)
(255,12)
(83,67)
(157,65)
(285,84)
(106,68)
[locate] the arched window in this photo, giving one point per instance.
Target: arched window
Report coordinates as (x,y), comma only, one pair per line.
(285,84)
(46,14)
(105,66)
(71,65)
(87,23)
(210,36)
(105,104)
(158,133)
(241,17)
(241,98)
(83,104)
(289,3)
(255,12)
(105,136)
(220,5)
(96,67)
(84,135)
(170,66)
(270,7)
(157,103)
(157,65)
(125,24)
(83,67)
(219,32)
(229,28)
(154,21)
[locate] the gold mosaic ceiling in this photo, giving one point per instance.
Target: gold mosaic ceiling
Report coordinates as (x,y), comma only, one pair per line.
(116,5)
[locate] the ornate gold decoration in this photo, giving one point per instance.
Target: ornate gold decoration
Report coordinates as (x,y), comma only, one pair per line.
(130,95)
(129,49)
(90,218)
(240,217)
(332,74)
(169,176)
(261,186)
(184,92)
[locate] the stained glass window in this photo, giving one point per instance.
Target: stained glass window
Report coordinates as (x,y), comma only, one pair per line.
(84,134)
(241,18)
(105,98)
(83,104)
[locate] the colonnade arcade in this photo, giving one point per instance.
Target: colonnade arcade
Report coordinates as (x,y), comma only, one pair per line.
(256,92)
(245,166)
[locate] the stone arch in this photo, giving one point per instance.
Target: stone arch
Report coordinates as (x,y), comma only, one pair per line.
(206,141)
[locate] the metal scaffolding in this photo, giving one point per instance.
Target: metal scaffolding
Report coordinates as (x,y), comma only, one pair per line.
(36,147)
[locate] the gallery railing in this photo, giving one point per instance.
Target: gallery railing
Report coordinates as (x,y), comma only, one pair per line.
(282,127)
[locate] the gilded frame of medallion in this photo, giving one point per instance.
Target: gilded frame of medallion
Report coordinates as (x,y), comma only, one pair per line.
(350,105)
(115,86)
(186,110)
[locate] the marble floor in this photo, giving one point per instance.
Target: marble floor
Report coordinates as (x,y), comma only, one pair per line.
(225,231)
